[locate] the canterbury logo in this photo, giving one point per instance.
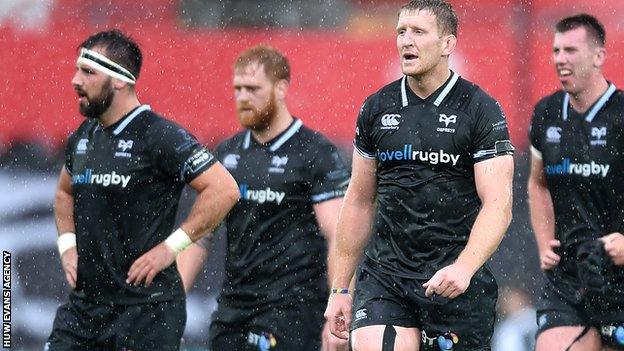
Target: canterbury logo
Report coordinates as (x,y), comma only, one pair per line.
(389,121)
(447,119)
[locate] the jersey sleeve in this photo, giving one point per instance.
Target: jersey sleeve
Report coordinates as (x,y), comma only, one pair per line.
(69,151)
(536,128)
(179,154)
(76,142)
(330,176)
(491,136)
(363,141)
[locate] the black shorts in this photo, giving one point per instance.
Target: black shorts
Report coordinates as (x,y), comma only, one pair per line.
(463,323)
(85,326)
(296,326)
(558,306)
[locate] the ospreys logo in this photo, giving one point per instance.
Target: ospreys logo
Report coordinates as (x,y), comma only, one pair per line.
(598,134)
(122,147)
(447,120)
(231,161)
(278,163)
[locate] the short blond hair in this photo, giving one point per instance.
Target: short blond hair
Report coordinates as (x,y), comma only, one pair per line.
(275,64)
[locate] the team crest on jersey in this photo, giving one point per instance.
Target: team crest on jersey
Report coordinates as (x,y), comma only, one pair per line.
(447,120)
(231,161)
(598,135)
(278,163)
(122,147)
(390,121)
(81,148)
(553,134)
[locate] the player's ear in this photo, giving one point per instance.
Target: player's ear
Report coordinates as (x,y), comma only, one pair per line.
(119,84)
(281,89)
(600,55)
(449,42)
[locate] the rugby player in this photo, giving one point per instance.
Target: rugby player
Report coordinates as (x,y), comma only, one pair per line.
(117,196)
(292,180)
(576,194)
(432,184)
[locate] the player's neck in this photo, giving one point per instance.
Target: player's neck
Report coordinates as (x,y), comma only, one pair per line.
(583,100)
(279,124)
(118,109)
(425,84)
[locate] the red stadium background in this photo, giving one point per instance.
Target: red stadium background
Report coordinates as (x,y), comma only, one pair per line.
(504,46)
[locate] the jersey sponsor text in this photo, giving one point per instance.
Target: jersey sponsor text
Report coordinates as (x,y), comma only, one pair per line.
(407,153)
(261,196)
(105,179)
(582,169)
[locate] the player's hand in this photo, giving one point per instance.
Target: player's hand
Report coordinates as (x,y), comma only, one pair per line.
(338,315)
(331,342)
(450,281)
(145,268)
(69,260)
(614,246)
(548,257)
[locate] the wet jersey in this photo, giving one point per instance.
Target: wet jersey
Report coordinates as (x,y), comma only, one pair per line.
(583,158)
(426,151)
(275,251)
(126,182)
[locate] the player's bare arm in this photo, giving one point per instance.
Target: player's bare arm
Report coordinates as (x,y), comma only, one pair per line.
(327,218)
(352,235)
(493,179)
(64,214)
(217,194)
(542,214)
(190,262)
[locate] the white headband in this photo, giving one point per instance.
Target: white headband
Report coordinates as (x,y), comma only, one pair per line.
(105,65)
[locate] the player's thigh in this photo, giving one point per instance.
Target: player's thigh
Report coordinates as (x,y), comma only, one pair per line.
(385,338)
(79,326)
(295,326)
(560,338)
(223,336)
(154,326)
(561,321)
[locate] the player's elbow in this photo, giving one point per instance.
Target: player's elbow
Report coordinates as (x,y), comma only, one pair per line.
(507,209)
(62,199)
(231,194)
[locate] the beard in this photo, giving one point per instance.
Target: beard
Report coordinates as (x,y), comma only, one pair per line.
(257,119)
(96,106)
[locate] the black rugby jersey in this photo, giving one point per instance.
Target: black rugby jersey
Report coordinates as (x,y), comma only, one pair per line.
(126,181)
(583,158)
(275,251)
(425,151)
